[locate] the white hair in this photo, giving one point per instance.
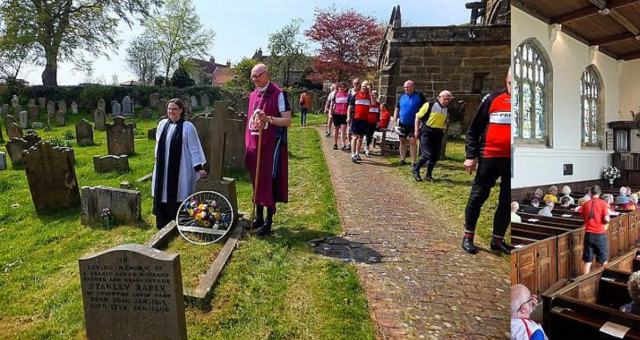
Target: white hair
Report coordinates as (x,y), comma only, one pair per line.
(623,191)
(566,190)
(634,287)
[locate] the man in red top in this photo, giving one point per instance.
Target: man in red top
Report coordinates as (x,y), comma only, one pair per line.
(489,141)
(361,103)
(374,118)
(595,214)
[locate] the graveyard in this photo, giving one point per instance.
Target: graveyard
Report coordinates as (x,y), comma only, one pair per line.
(274,287)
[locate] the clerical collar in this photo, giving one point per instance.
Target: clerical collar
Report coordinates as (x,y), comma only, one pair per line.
(177,121)
(262,89)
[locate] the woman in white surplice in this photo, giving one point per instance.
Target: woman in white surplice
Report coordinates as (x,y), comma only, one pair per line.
(179,160)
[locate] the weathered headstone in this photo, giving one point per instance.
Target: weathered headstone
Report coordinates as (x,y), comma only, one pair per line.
(51,107)
(37,125)
(206,110)
(116,109)
(52,177)
(99,119)
(18,109)
(102,105)
(42,102)
(15,101)
(62,106)
(61,119)
(32,138)
(120,137)
(133,292)
(4,109)
(194,102)
(14,149)
(48,126)
(3,161)
(111,163)
(204,100)
(32,102)
(124,205)
(84,133)
(127,107)
(74,108)
(154,98)
(162,107)
(146,113)
(186,100)
(8,121)
(14,131)
(151,134)
(23,118)
(34,112)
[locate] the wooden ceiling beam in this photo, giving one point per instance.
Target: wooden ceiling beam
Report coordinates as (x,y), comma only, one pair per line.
(630,56)
(612,39)
(591,10)
(626,23)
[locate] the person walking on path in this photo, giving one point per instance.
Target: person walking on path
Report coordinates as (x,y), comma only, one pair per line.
(338,114)
(178,166)
(305,104)
(407,107)
(361,104)
(595,215)
(267,106)
(374,118)
(430,124)
(488,140)
(327,108)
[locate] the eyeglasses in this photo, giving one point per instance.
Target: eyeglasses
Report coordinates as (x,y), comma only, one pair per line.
(532,298)
(258,76)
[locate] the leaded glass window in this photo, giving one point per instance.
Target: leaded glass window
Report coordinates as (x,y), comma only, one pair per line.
(529,94)
(590,108)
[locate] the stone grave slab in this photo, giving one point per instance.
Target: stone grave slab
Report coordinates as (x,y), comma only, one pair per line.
(117,109)
(23,118)
(154,98)
(120,137)
(14,149)
(146,113)
(84,133)
(52,177)
(102,105)
(34,112)
(124,205)
(15,131)
(194,102)
(4,109)
(32,138)
(51,107)
(3,161)
(37,125)
(74,108)
(42,102)
(132,292)
(110,163)
(15,101)
(32,102)
(127,106)
(8,121)
(61,119)
(151,134)
(162,107)
(62,106)
(204,100)
(99,119)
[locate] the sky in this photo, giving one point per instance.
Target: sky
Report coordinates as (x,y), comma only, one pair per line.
(241,27)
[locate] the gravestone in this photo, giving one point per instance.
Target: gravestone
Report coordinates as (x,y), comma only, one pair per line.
(127,107)
(154,98)
(111,163)
(14,131)
(14,149)
(162,107)
(37,125)
(207,110)
(8,121)
(194,102)
(32,102)
(204,100)
(4,110)
(116,109)
(48,126)
(151,134)
(120,137)
(52,177)
(99,119)
(146,113)
(124,205)
(3,161)
(51,107)
(84,133)
(244,106)
(61,119)
(23,118)
(102,105)
(42,102)
(15,101)
(18,109)
(32,138)
(133,292)
(74,108)
(34,112)
(62,106)
(186,100)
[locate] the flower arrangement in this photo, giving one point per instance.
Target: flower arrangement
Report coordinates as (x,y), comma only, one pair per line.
(610,173)
(206,213)
(106,217)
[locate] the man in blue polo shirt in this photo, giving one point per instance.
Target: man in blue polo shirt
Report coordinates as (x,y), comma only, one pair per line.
(407,107)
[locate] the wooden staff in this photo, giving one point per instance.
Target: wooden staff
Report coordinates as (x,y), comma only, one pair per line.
(255,188)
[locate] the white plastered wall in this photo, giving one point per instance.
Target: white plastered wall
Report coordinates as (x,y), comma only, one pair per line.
(568,58)
(630,96)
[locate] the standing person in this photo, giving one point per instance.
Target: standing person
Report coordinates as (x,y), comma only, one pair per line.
(385,116)
(352,92)
(374,117)
(407,107)
(178,163)
(595,215)
(268,106)
(338,114)
(488,141)
(305,104)
(327,108)
(430,123)
(361,104)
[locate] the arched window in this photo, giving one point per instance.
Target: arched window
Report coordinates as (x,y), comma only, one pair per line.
(530,95)
(591,108)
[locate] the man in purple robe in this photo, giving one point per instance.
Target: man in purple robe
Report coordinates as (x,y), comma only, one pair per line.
(267,106)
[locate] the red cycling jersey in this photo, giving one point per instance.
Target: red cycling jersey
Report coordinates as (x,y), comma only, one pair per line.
(489,135)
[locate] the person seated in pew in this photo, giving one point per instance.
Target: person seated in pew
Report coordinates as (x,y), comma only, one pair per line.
(566,192)
(537,195)
(552,194)
(595,215)
(587,196)
(564,203)
(612,209)
(580,204)
(634,291)
(522,305)
(546,211)
(623,198)
(514,216)
(533,208)
(633,205)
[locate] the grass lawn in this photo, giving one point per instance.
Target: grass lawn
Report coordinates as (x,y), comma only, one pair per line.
(273,288)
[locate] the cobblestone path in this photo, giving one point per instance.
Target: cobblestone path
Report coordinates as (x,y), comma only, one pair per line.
(419,283)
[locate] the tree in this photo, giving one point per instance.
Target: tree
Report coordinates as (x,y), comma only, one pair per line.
(349,44)
(143,58)
(243,75)
(180,78)
(62,28)
(16,50)
(286,51)
(178,34)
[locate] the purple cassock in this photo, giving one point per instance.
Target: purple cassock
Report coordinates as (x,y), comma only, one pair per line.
(273,184)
